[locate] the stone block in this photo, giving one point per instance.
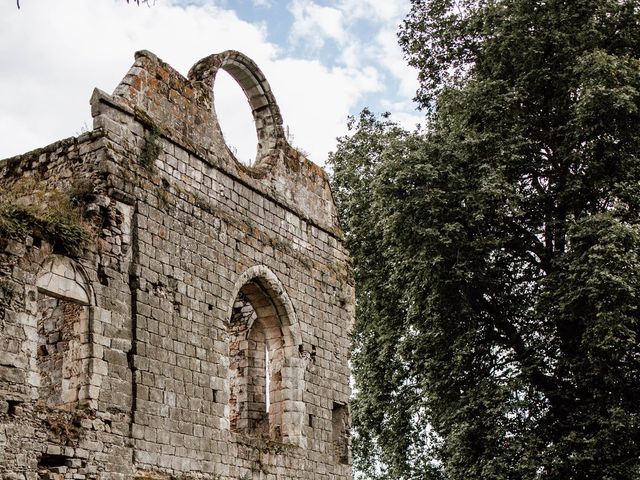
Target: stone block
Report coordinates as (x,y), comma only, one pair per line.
(12,375)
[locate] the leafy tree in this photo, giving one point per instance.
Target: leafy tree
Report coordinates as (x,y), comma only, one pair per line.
(497,253)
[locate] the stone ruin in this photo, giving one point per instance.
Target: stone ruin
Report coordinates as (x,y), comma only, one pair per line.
(165,311)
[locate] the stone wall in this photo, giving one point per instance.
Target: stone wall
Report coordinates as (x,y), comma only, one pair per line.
(202,330)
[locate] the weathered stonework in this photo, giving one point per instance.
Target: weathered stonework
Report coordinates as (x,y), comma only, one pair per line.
(203,332)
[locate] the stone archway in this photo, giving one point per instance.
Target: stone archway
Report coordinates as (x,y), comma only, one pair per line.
(266,370)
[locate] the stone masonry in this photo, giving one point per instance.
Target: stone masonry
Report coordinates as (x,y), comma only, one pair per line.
(202,330)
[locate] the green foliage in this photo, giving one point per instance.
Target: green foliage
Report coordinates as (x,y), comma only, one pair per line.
(496,253)
(57,222)
(81,191)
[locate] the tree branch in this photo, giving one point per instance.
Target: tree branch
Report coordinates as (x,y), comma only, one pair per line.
(524,355)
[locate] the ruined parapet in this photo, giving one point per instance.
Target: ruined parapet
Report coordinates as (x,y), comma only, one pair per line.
(155,96)
(167,312)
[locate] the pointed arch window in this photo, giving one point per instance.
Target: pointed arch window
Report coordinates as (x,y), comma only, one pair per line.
(266,373)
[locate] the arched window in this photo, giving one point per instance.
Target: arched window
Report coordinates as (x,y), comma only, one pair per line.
(63,317)
(266,372)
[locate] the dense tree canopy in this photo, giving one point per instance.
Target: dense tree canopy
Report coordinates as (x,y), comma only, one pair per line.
(497,252)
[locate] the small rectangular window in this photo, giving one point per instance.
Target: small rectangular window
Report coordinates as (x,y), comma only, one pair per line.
(340,421)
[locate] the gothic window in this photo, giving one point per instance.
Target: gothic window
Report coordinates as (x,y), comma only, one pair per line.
(266,371)
(256,353)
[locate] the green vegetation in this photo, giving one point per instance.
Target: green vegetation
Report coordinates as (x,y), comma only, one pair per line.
(497,252)
(81,191)
(48,215)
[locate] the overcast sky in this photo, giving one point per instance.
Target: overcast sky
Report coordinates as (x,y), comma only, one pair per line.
(324,60)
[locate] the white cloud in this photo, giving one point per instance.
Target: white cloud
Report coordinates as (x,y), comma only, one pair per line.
(318,96)
(54,53)
(383,19)
(344,21)
(235,118)
(390,55)
(315,24)
(377,10)
(404,112)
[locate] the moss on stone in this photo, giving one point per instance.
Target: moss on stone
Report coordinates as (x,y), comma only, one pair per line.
(57,222)
(151,150)
(152,147)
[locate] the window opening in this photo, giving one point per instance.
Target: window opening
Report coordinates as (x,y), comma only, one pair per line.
(256,354)
(62,324)
(235,118)
(59,349)
(340,433)
(12,407)
(267,377)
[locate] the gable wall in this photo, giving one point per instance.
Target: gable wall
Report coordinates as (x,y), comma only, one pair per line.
(177,238)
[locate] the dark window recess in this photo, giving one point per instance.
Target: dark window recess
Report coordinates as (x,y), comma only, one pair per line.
(311,420)
(59,344)
(340,423)
(214,396)
(256,355)
(51,461)
(12,406)
(102,276)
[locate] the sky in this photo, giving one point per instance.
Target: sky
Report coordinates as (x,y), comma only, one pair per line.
(324,59)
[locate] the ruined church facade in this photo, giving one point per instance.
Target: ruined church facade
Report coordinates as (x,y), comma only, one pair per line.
(165,311)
